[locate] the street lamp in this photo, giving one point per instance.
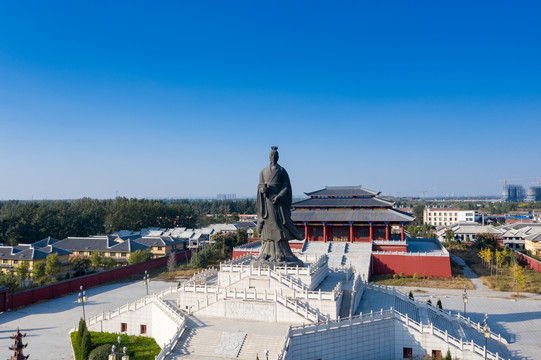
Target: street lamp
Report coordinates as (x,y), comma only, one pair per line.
(146,279)
(119,338)
(81,299)
(267,354)
(486,332)
(465,299)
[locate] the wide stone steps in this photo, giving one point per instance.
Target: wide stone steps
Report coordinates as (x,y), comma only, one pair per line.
(256,344)
(197,342)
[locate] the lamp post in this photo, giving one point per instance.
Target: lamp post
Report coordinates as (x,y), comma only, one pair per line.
(465,299)
(146,279)
(81,299)
(119,338)
(486,332)
(267,354)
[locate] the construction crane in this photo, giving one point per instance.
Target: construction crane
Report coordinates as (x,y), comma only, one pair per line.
(506,180)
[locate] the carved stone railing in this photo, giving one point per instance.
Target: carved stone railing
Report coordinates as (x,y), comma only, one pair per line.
(388,314)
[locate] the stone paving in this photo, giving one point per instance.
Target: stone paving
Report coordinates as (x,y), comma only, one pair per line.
(47,324)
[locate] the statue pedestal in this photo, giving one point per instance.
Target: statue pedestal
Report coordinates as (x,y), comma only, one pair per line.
(271,264)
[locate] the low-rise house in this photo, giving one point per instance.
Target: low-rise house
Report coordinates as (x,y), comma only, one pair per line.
(114,247)
(533,243)
(513,236)
(161,245)
(13,256)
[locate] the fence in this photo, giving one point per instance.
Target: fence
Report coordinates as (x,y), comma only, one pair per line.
(32,296)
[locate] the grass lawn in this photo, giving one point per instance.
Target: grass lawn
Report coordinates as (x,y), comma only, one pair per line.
(456,282)
(139,347)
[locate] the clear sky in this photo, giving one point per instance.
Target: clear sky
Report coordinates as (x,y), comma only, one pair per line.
(185,98)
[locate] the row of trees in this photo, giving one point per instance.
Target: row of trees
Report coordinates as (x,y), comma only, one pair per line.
(27,222)
(220,250)
(496,258)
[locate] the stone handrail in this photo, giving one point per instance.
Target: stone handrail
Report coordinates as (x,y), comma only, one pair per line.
(391,314)
(448,315)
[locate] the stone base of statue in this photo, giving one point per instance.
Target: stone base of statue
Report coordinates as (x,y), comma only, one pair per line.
(271,264)
(276,253)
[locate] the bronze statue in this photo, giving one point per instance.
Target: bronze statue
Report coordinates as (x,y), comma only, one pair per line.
(274,197)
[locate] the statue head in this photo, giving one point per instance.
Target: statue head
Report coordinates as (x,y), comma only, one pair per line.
(273,156)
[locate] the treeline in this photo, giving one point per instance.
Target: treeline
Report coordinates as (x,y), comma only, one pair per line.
(27,222)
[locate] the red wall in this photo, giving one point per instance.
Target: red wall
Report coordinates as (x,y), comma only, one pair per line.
(431,266)
(531,262)
(29,297)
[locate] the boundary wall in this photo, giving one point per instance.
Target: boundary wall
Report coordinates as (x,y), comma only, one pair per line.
(52,291)
(531,262)
(384,263)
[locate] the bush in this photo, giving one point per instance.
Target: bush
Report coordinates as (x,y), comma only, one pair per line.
(395,276)
(402,274)
(416,276)
(100,353)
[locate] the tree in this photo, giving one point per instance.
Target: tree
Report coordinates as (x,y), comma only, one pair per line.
(22,270)
(519,277)
(439,304)
(448,355)
(449,235)
(429,302)
(139,256)
(108,263)
(81,263)
(96,259)
(85,347)
(499,255)
(411,295)
(52,264)
(171,262)
(83,344)
(10,281)
(242,237)
(418,211)
(38,270)
(255,234)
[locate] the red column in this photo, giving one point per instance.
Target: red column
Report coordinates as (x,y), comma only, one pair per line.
(370,236)
(324,232)
(351,232)
(306,231)
(387,237)
(402,232)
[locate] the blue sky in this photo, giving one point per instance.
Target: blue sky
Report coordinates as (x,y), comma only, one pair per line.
(177,99)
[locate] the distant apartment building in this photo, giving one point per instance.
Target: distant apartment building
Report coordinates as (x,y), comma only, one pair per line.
(446,216)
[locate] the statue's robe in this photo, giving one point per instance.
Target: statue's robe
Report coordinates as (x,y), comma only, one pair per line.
(274,220)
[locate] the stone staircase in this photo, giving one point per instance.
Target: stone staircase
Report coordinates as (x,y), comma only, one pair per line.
(196,343)
(256,344)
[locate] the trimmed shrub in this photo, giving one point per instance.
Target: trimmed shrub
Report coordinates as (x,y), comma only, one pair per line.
(100,353)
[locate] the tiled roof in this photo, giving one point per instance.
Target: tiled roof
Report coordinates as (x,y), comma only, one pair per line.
(343,191)
(349,202)
(99,243)
(158,240)
(387,215)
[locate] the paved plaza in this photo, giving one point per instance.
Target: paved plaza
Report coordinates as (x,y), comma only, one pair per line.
(47,324)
